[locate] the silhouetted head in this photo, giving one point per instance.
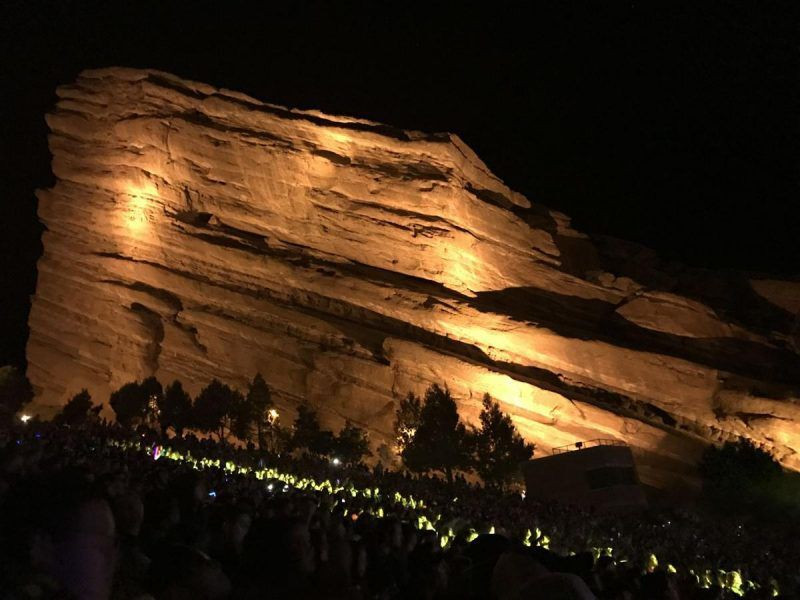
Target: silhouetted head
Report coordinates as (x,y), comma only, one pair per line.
(70,533)
(185,573)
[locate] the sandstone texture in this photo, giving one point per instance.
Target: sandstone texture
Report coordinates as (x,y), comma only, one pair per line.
(195,232)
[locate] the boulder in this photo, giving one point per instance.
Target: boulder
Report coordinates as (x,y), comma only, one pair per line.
(198,233)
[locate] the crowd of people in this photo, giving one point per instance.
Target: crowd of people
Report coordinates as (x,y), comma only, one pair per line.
(100,512)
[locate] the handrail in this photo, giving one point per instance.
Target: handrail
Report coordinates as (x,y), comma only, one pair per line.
(587,444)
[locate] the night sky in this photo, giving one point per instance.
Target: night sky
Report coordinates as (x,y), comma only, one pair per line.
(671,126)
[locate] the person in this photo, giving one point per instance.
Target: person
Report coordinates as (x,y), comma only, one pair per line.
(133,564)
(76,504)
(69,533)
(278,556)
(182,572)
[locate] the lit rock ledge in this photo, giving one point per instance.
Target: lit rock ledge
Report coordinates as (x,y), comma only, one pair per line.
(196,233)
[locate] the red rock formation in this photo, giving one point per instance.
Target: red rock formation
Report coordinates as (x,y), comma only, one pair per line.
(195,233)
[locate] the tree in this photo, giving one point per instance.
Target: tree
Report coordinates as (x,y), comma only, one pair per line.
(351,445)
(406,422)
(214,408)
(498,447)
(131,403)
(259,401)
(174,408)
(441,441)
(15,392)
(739,475)
(76,411)
(308,434)
(243,418)
(151,387)
(281,440)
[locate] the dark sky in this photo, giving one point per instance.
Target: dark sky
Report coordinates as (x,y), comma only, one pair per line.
(674,126)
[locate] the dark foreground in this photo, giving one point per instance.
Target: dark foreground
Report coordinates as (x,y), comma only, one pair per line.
(96,513)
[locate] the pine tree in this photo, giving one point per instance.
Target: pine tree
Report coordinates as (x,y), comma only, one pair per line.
(259,400)
(351,445)
(151,388)
(214,408)
(76,411)
(499,449)
(175,409)
(243,418)
(130,403)
(308,434)
(406,421)
(738,475)
(441,441)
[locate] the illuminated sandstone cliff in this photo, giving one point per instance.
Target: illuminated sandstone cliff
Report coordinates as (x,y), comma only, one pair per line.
(196,233)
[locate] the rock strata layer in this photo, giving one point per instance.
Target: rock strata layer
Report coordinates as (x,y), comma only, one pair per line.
(196,232)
